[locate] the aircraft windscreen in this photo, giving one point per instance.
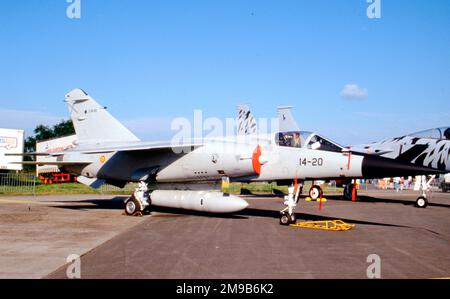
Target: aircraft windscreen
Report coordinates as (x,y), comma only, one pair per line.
(306,139)
(445,133)
(320,143)
(438,133)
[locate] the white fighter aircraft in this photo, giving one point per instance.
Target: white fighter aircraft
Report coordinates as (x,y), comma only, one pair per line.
(429,148)
(188,175)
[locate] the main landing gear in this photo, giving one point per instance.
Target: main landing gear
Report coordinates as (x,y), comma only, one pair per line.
(139,201)
(315,192)
(348,190)
(290,201)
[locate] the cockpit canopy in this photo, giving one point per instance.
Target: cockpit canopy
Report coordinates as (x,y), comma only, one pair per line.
(306,140)
(438,133)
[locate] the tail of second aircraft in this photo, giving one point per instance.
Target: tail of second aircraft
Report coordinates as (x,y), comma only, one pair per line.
(92,122)
(246,123)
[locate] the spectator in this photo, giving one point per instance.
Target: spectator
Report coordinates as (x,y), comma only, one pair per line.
(396,183)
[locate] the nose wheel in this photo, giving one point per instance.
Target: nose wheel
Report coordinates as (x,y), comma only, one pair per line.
(425,187)
(287,215)
(421,202)
(286,218)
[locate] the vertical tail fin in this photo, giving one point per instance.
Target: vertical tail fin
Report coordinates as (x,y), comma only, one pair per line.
(286,119)
(92,122)
(246,121)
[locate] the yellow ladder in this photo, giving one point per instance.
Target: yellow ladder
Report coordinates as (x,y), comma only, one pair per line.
(336,225)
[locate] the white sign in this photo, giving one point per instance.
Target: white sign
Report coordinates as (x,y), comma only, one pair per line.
(51,146)
(11,142)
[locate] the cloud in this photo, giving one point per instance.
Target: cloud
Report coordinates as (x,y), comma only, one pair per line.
(354,92)
(26,119)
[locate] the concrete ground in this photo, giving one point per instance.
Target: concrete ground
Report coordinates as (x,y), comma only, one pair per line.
(37,234)
(411,242)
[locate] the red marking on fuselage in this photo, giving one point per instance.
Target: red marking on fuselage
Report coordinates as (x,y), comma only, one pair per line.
(255,160)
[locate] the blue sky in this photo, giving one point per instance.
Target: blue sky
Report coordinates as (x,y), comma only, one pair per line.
(150,61)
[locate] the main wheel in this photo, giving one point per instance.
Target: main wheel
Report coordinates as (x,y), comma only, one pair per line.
(348,191)
(315,192)
(285,219)
(421,202)
(132,206)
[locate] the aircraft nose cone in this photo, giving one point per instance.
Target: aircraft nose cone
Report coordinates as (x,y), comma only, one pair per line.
(380,167)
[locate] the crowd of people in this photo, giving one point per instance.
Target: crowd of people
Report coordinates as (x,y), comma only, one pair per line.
(397,183)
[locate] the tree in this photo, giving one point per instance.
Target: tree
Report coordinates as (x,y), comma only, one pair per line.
(42,132)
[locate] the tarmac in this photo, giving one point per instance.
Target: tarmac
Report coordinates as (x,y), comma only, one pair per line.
(37,234)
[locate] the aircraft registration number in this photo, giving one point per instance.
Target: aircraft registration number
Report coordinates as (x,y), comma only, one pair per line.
(311,162)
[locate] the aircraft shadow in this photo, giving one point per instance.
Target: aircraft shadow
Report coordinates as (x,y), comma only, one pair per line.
(117,203)
(252,212)
(366,198)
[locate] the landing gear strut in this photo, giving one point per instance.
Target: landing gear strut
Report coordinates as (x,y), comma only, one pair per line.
(290,201)
(422,201)
(139,201)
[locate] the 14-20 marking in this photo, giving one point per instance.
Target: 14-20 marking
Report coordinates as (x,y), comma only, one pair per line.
(312,162)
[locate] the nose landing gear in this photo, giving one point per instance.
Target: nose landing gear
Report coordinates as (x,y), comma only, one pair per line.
(421,202)
(425,187)
(290,201)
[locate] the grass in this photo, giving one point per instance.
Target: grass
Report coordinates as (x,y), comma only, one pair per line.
(265,188)
(77,188)
(64,188)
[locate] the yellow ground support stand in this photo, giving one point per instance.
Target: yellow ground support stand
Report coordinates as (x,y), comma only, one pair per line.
(309,199)
(336,225)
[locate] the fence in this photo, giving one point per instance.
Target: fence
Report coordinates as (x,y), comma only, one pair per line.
(17,183)
(26,183)
(20,183)
(129,188)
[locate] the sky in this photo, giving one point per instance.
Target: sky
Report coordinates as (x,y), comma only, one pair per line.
(352,78)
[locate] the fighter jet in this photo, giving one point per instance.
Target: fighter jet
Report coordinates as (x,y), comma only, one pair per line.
(429,148)
(187,175)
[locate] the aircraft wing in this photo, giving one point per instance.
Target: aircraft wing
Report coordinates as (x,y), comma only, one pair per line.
(370,150)
(29,154)
(151,146)
(377,152)
(56,163)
